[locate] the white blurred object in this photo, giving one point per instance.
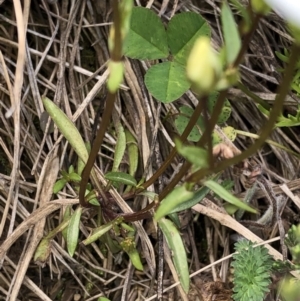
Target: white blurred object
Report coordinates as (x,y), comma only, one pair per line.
(287,9)
(9,112)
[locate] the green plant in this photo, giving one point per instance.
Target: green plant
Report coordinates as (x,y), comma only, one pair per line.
(252,266)
(295,85)
(185,198)
(67,177)
(148,40)
(183,118)
(193,63)
(290,120)
(70,225)
(289,287)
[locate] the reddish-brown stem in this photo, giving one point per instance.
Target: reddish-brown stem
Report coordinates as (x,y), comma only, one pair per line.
(116,55)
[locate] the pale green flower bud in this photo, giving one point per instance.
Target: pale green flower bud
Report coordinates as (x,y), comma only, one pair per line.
(115,79)
(203,66)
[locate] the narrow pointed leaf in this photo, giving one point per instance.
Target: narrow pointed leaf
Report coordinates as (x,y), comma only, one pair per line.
(73,231)
(230,33)
(121,177)
(175,243)
(59,185)
(194,154)
(195,199)
(75,177)
(66,217)
(99,231)
(120,148)
(136,260)
(80,163)
(133,152)
(67,128)
(96,233)
(176,197)
(227,196)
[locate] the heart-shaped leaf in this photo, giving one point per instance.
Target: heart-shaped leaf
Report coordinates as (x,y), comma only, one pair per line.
(183,30)
(147,38)
(167,81)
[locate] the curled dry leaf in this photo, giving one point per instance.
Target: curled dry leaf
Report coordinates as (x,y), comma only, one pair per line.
(224,151)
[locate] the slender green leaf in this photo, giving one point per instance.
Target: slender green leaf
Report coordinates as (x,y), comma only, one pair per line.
(198,196)
(127,228)
(98,232)
(73,231)
(167,81)
(120,147)
(175,243)
(121,177)
(136,260)
(94,202)
(59,185)
(75,177)
(133,152)
(149,194)
(61,227)
(227,196)
(80,163)
(66,217)
(282,57)
(67,128)
(194,154)
(129,246)
(183,30)
(231,34)
(176,197)
(147,38)
(175,219)
(230,209)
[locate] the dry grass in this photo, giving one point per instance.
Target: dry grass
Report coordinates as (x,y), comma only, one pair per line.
(59,49)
